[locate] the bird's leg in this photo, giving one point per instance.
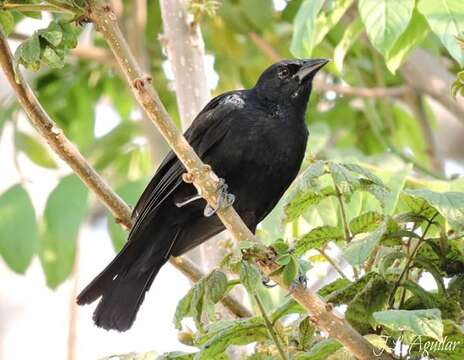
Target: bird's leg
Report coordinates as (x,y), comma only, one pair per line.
(265,281)
(301,280)
(188,200)
(224,199)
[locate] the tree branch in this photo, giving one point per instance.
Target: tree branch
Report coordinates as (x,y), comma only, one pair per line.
(206,182)
(185,48)
(71,155)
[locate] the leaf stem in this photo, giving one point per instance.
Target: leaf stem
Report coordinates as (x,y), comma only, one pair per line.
(410,259)
(346,229)
(270,328)
(333,263)
(37,7)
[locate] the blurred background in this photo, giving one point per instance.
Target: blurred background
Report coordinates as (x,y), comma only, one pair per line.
(389,108)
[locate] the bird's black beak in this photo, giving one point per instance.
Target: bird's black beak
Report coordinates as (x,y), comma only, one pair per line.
(309,68)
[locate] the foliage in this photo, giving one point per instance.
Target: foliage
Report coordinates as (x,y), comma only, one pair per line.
(367,187)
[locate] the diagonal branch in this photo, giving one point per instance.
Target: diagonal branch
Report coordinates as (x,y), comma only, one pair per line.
(204,179)
(71,155)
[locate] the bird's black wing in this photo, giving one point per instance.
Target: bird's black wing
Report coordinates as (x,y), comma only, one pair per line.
(208,128)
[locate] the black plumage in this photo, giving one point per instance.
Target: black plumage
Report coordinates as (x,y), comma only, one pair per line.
(254,139)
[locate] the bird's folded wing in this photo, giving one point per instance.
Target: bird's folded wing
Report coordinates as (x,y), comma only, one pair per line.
(208,128)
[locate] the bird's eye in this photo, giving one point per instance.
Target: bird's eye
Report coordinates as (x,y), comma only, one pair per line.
(283,72)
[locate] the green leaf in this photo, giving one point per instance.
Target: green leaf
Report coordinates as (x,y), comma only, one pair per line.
(29,50)
(385,21)
(359,250)
(221,335)
(303,200)
(366,222)
(53,34)
(305,333)
(317,238)
(446,19)
(449,204)
(250,276)
(290,271)
(258,12)
(426,298)
(34,150)
(333,286)
(280,247)
(420,322)
(349,37)
(343,177)
(129,192)
(6,22)
(52,58)
(373,297)
(364,172)
(174,355)
(64,212)
(18,229)
(304,28)
(345,294)
(416,31)
(330,17)
(216,286)
(321,350)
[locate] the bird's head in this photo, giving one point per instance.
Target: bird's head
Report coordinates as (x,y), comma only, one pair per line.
(289,81)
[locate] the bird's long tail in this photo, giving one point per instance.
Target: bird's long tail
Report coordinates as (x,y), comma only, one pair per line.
(123,283)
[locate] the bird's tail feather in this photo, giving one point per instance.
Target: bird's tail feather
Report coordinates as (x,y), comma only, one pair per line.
(122,285)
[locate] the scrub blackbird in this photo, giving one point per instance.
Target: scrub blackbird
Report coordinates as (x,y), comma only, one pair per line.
(255,140)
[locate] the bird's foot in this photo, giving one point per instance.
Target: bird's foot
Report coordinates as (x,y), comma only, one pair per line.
(265,281)
(224,199)
(300,281)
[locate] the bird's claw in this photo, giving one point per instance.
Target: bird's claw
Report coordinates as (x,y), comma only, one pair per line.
(224,199)
(300,281)
(265,281)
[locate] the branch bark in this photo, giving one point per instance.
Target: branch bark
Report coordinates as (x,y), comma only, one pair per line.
(436,83)
(71,155)
(186,53)
(204,179)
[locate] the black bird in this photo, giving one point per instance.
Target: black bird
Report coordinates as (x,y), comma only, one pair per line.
(253,139)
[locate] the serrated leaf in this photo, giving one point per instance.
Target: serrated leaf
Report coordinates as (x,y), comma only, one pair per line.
(304,28)
(335,285)
(349,37)
(64,212)
(358,169)
(305,333)
(29,50)
(385,21)
(359,250)
(34,150)
(53,34)
(301,202)
(416,31)
(449,204)
(329,17)
(321,350)
(446,19)
(52,58)
(345,294)
(290,271)
(250,276)
(219,336)
(18,229)
(426,298)
(216,286)
(280,246)
(420,322)
(317,238)
(366,222)
(343,177)
(373,297)
(6,22)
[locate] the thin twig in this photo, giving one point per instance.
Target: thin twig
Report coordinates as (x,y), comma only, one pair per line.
(34,7)
(68,152)
(270,328)
(333,263)
(206,182)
